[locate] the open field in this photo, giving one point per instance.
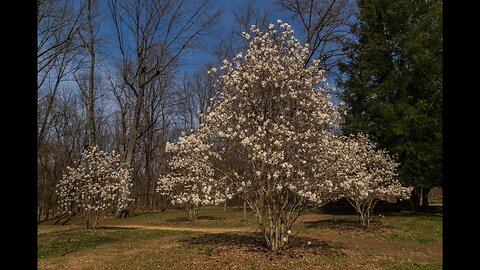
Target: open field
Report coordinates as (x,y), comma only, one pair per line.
(223,240)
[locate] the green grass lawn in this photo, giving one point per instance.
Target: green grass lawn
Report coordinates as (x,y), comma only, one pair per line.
(60,243)
(208,217)
(396,241)
(419,229)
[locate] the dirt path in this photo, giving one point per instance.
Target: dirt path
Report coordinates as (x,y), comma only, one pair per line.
(191,229)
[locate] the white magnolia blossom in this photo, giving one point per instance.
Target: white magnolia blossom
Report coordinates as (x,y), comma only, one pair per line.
(365,174)
(100,184)
(191,181)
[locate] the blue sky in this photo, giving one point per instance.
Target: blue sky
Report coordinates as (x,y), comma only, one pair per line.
(193,59)
(225,24)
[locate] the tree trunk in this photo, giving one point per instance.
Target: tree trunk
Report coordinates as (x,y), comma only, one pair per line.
(425,202)
(363,219)
(132,140)
(245,210)
(90,109)
(134,131)
(89,226)
(275,235)
(47,211)
(415,200)
(368,219)
(274,223)
(153,201)
(193,212)
(40,212)
(123,213)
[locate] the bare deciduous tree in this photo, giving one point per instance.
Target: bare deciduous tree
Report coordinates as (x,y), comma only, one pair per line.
(193,98)
(58,22)
(167,27)
(89,43)
(57,51)
(152,36)
(231,43)
(325,25)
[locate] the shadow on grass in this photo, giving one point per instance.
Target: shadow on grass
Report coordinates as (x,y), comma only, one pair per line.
(333,223)
(113,228)
(254,242)
(136,214)
(431,212)
(83,230)
(185,219)
(346,224)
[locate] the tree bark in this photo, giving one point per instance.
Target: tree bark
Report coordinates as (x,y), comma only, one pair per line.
(132,138)
(89,226)
(91,140)
(425,203)
(193,212)
(415,200)
(245,210)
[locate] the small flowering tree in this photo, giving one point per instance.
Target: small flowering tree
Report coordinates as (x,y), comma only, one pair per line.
(192,181)
(365,175)
(100,184)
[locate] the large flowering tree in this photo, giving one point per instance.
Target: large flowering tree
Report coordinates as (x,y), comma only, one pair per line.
(269,124)
(365,174)
(192,182)
(100,184)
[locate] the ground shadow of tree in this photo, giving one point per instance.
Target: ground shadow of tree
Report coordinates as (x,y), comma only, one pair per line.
(113,228)
(424,213)
(345,224)
(185,219)
(136,214)
(254,242)
(333,224)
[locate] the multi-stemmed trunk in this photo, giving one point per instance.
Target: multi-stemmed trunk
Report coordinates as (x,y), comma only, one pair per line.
(364,209)
(275,233)
(275,212)
(91,220)
(192,210)
(365,219)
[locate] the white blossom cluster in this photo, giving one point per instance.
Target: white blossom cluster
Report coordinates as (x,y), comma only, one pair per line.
(192,181)
(277,113)
(364,172)
(100,184)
